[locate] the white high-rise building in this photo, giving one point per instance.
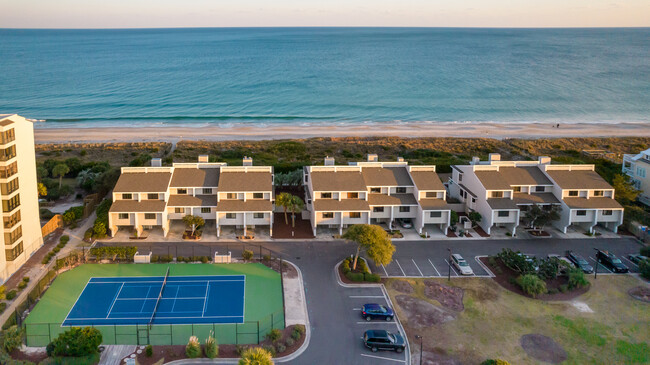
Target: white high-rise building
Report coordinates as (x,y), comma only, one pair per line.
(21,228)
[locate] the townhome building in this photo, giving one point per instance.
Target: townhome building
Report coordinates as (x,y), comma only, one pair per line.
(637,167)
(373,192)
(239,197)
(18,190)
(503,191)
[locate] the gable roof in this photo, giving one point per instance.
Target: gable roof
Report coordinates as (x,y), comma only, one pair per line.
(578,179)
(245,181)
(507,177)
(427,180)
(193,177)
(386,176)
(142,182)
(337,181)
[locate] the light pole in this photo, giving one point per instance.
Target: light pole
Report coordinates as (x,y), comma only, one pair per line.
(418,337)
(449,264)
(597,261)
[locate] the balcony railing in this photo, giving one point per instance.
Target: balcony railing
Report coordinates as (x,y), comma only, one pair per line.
(4,139)
(8,153)
(8,171)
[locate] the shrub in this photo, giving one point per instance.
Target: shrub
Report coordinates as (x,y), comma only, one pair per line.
(193,348)
(22,285)
(345,266)
(280,348)
(373,278)
(154,258)
(211,347)
(247,255)
(256,356)
(99,229)
(165,258)
(552,291)
(3,306)
(354,276)
(274,335)
(297,332)
(60,245)
(88,234)
(205,259)
(13,338)
(645,251)
(290,341)
(531,284)
(564,288)
(64,239)
(300,328)
(548,268)
(26,279)
(577,279)
(56,249)
(11,294)
(45,260)
(495,362)
(644,268)
(148,351)
(180,258)
(267,258)
(516,261)
(270,349)
(75,342)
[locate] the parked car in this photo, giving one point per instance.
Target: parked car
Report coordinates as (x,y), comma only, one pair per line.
(376,311)
(610,261)
(637,258)
(405,222)
(579,262)
(462,265)
(383,340)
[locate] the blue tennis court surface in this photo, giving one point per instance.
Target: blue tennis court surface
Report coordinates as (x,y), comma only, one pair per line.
(184,300)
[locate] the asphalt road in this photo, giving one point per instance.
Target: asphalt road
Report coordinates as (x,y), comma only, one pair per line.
(336,331)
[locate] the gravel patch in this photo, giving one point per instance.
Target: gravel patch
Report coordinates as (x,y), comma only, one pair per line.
(450,297)
(543,348)
(420,313)
(402,286)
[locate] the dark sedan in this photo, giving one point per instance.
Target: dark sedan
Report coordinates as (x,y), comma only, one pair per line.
(610,261)
(383,340)
(580,262)
(376,311)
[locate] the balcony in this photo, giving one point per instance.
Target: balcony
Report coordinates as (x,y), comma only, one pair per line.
(10,222)
(7,136)
(7,154)
(8,171)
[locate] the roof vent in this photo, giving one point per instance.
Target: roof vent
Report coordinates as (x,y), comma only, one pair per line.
(156,162)
(329,161)
(204,158)
(475,161)
(400,159)
(495,157)
(544,160)
(372,157)
(247,161)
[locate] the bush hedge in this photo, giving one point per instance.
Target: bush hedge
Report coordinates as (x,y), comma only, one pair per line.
(577,279)
(644,268)
(645,251)
(11,294)
(122,253)
(75,342)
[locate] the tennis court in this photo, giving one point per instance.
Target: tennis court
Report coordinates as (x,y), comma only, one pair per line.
(160,300)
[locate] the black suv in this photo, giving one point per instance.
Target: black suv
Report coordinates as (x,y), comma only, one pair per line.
(610,261)
(580,262)
(383,340)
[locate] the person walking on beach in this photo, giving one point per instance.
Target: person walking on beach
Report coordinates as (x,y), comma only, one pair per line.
(558,125)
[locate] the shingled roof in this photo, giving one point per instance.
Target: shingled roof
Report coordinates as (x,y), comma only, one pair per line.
(143,182)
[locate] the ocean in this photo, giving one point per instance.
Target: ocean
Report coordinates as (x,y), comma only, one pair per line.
(263,76)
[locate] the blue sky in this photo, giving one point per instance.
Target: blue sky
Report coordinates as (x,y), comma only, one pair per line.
(249,13)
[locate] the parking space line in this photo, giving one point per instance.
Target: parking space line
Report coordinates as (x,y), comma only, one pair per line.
(383,267)
(376,322)
(383,358)
(367,296)
(416,266)
(623,257)
(434,267)
(482,265)
(452,268)
(601,265)
(400,267)
(356,309)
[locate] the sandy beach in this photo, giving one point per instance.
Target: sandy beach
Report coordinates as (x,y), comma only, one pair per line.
(215,133)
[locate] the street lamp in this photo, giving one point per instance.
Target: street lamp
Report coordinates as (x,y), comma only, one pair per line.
(449,264)
(418,337)
(597,261)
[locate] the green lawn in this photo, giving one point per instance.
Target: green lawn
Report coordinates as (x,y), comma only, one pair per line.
(263,304)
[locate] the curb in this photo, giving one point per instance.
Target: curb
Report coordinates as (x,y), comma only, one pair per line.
(283,359)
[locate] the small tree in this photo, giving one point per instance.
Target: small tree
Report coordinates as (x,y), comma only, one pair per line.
(99,229)
(625,191)
(475,218)
(41,172)
(42,189)
(296,206)
(541,216)
(453,218)
(256,356)
(285,201)
(193,222)
(374,240)
(13,338)
(59,171)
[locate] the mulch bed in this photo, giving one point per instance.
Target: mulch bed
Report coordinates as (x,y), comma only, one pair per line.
(274,265)
(537,233)
(34,357)
(503,274)
(543,348)
(641,293)
(282,230)
(177,352)
(481,232)
(451,234)
(348,281)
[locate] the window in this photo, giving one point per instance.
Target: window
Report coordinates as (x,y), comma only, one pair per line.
(258,215)
(207,190)
(181,191)
(378,209)
(504,213)
(431,194)
(152,196)
(460,177)
(12,237)
(9,187)
(496,194)
(179,210)
(127,196)
(573,192)
(12,220)
(8,171)
(205,210)
(149,216)
(404,209)
(7,136)
(355,215)
(13,253)
(540,189)
(123,216)
(400,190)
(523,208)
(640,172)
(608,212)
(258,195)
(11,204)
(473,200)
(353,195)
(7,153)
(435,214)
(326,195)
(599,193)
(231,215)
(581,212)
(328,215)
(375,190)
(517,189)
(231,196)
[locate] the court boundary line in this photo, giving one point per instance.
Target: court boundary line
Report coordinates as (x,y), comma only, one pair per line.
(205,298)
(75,302)
(114,300)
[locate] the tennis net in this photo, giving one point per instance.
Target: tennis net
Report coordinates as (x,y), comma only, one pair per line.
(155,308)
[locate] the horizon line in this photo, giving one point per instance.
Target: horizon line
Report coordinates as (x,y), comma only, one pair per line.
(333,27)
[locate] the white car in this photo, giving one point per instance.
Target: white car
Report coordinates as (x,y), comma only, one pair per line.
(459,262)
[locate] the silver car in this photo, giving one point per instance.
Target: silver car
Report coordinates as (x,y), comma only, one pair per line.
(459,262)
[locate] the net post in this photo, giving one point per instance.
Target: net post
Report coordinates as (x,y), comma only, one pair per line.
(258,332)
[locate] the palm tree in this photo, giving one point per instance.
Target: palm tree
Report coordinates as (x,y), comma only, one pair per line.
(296,206)
(59,171)
(284,200)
